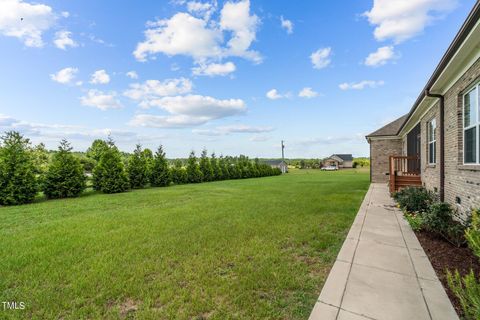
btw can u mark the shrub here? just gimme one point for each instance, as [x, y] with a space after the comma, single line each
[223, 173]
[64, 177]
[439, 219]
[414, 199]
[467, 288]
[194, 175]
[147, 154]
[178, 173]
[109, 174]
[96, 150]
[18, 183]
[41, 159]
[473, 233]
[87, 163]
[137, 169]
[215, 168]
[160, 174]
[415, 220]
[206, 167]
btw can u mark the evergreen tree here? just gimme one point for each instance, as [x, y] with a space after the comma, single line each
[178, 173]
[222, 169]
[206, 167]
[148, 156]
[137, 168]
[109, 174]
[18, 183]
[64, 177]
[194, 175]
[160, 174]
[217, 175]
[97, 148]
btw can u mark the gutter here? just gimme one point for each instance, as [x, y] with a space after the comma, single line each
[427, 93]
[467, 26]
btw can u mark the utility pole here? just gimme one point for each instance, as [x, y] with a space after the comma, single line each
[283, 157]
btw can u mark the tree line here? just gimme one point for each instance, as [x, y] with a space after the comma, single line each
[25, 170]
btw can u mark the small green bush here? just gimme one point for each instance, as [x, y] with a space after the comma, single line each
[414, 199]
[439, 219]
[64, 177]
[467, 288]
[415, 220]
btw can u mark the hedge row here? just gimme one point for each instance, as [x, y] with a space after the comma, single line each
[24, 171]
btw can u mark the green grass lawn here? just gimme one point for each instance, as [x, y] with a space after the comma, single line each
[239, 249]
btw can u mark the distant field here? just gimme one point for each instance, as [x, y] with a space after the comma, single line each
[239, 249]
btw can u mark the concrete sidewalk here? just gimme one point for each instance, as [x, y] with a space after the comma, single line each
[382, 271]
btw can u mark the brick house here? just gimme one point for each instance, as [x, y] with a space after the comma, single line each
[339, 161]
[437, 144]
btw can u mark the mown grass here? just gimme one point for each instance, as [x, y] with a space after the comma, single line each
[240, 249]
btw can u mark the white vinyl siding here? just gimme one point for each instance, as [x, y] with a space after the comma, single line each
[432, 141]
[471, 126]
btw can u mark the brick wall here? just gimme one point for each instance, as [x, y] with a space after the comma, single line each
[460, 181]
[430, 172]
[380, 150]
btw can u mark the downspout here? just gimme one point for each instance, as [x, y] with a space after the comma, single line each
[442, 140]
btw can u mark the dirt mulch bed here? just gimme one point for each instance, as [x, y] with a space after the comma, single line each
[443, 255]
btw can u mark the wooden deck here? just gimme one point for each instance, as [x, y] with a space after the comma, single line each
[404, 172]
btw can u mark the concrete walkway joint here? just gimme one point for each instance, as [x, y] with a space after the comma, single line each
[382, 271]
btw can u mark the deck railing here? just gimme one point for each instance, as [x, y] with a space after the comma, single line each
[404, 171]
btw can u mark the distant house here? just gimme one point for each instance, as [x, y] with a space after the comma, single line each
[282, 165]
[339, 161]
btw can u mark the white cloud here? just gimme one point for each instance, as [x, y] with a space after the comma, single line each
[236, 128]
[235, 17]
[184, 34]
[203, 9]
[63, 40]
[100, 77]
[214, 69]
[101, 100]
[401, 20]
[202, 106]
[274, 95]
[287, 25]
[154, 89]
[380, 57]
[321, 58]
[132, 74]
[65, 14]
[189, 110]
[259, 138]
[361, 85]
[307, 92]
[51, 134]
[65, 75]
[176, 121]
[25, 21]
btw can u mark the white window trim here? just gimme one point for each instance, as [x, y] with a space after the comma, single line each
[434, 141]
[476, 124]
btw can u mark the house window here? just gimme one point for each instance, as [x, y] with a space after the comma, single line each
[471, 126]
[432, 141]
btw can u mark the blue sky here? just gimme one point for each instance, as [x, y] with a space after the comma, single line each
[235, 77]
